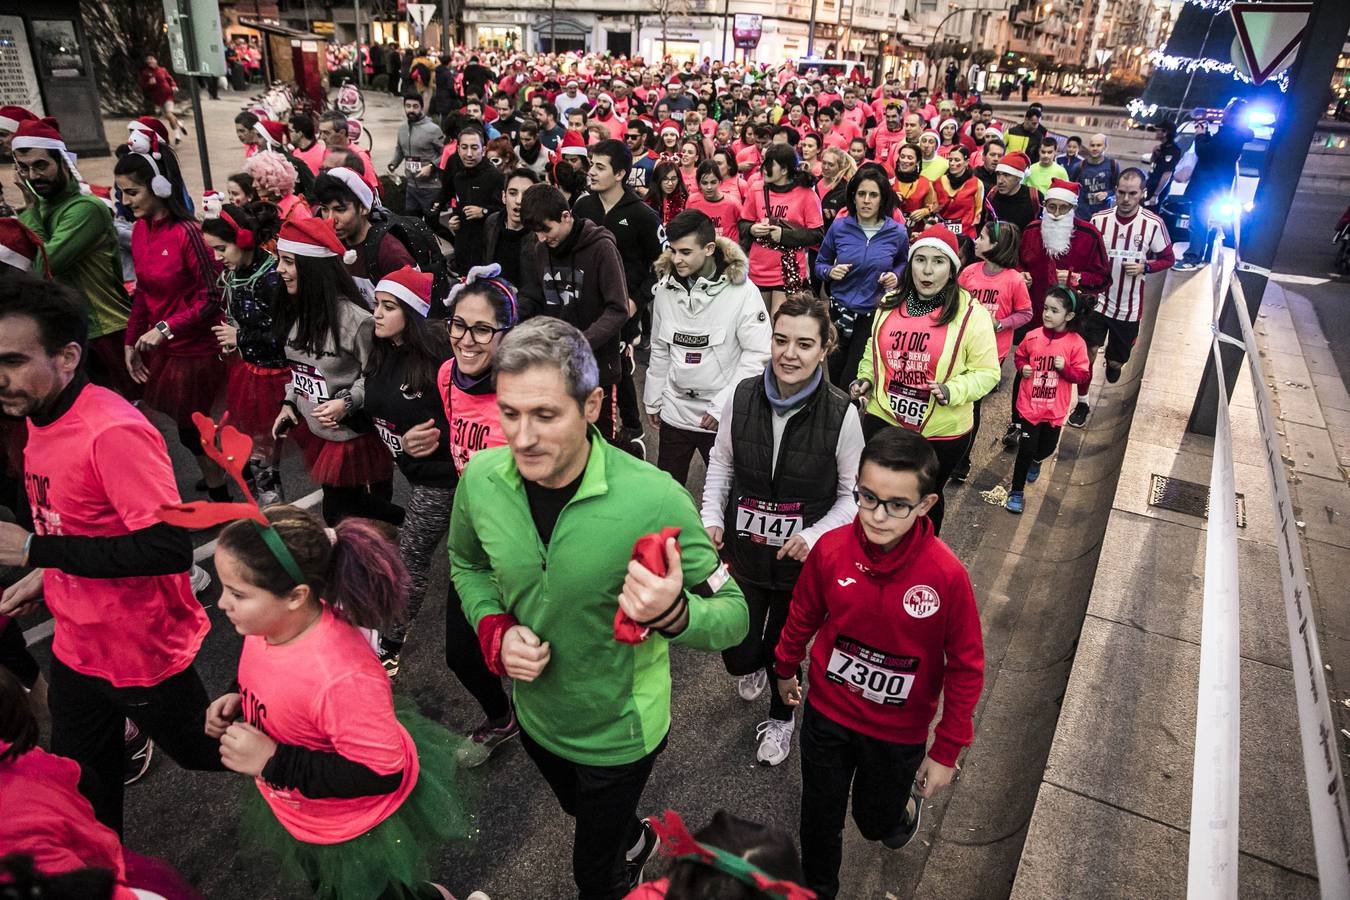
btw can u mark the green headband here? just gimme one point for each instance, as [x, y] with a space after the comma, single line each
[279, 550]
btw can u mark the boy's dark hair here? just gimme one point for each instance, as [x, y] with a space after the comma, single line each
[1077, 139]
[529, 175]
[1049, 142]
[707, 167]
[1133, 172]
[617, 152]
[903, 451]
[995, 140]
[330, 188]
[1007, 241]
[56, 309]
[549, 109]
[336, 119]
[792, 136]
[691, 221]
[541, 204]
[303, 123]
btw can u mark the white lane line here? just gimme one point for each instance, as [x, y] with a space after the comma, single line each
[1298, 279]
[43, 630]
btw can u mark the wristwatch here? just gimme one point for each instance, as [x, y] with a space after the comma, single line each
[163, 328]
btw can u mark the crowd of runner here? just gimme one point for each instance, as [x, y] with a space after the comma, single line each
[820, 283]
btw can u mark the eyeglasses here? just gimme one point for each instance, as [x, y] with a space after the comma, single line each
[895, 509]
[481, 333]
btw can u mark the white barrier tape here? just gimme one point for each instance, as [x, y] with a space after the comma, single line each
[1212, 867]
[1317, 733]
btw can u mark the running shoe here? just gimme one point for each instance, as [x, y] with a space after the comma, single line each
[269, 486]
[775, 741]
[749, 687]
[137, 751]
[1113, 373]
[636, 863]
[1033, 472]
[484, 740]
[1187, 266]
[1015, 502]
[201, 579]
[1078, 418]
[631, 440]
[911, 826]
[389, 658]
[961, 472]
[1011, 437]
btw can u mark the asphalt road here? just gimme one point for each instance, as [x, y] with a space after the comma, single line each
[1306, 251]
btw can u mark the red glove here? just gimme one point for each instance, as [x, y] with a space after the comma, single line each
[491, 630]
[650, 550]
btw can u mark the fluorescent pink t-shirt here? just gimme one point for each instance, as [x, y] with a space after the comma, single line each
[475, 422]
[904, 362]
[44, 815]
[1002, 294]
[800, 207]
[725, 213]
[327, 691]
[101, 470]
[1045, 396]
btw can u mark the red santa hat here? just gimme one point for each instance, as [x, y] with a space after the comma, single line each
[928, 132]
[571, 82]
[573, 150]
[1060, 189]
[938, 237]
[364, 195]
[608, 98]
[315, 238]
[674, 82]
[410, 286]
[1015, 163]
[11, 117]
[19, 247]
[149, 124]
[992, 133]
[42, 134]
[670, 125]
[271, 132]
[945, 123]
[145, 138]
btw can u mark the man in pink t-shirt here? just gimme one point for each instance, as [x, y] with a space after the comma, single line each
[112, 574]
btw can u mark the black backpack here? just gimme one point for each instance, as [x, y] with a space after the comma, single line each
[421, 243]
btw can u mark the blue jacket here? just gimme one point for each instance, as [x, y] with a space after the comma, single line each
[845, 242]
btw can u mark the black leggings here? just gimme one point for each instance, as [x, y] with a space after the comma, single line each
[768, 615]
[1038, 443]
[373, 501]
[464, 656]
[950, 451]
[844, 361]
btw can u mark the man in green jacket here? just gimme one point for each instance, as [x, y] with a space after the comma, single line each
[540, 545]
[77, 230]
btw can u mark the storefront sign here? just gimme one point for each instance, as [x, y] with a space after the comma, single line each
[747, 30]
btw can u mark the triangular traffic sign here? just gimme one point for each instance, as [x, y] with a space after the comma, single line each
[1269, 34]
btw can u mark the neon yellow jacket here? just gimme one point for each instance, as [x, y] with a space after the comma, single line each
[968, 367]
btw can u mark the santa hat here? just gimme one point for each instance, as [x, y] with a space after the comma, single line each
[938, 237]
[212, 202]
[928, 132]
[271, 132]
[146, 138]
[670, 125]
[19, 246]
[1015, 163]
[410, 286]
[13, 116]
[364, 195]
[315, 238]
[946, 122]
[571, 82]
[574, 150]
[605, 97]
[42, 134]
[993, 133]
[1062, 190]
[674, 82]
[149, 124]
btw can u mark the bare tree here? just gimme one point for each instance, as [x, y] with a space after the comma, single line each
[120, 34]
[665, 9]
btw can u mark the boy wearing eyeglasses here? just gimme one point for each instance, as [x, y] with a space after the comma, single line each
[896, 628]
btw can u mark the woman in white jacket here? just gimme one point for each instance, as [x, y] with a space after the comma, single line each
[709, 332]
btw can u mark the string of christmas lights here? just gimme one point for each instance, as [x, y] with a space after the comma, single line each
[1208, 64]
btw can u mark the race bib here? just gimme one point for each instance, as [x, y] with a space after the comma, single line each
[878, 676]
[309, 383]
[367, 289]
[908, 403]
[411, 166]
[388, 434]
[955, 225]
[1128, 256]
[769, 523]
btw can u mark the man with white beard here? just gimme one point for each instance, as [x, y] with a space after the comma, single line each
[1061, 249]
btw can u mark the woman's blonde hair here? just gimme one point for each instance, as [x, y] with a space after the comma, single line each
[847, 167]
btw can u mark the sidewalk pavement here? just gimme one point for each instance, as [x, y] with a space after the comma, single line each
[1112, 814]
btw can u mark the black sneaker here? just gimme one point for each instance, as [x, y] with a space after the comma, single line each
[961, 472]
[389, 658]
[1078, 418]
[1113, 374]
[635, 865]
[631, 441]
[1011, 437]
[910, 828]
[137, 750]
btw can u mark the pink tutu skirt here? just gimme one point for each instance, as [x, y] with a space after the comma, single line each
[253, 398]
[362, 460]
[181, 385]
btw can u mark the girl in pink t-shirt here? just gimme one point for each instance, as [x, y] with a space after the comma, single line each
[1051, 359]
[783, 217]
[725, 211]
[355, 796]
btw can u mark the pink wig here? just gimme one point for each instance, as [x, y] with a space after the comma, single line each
[272, 173]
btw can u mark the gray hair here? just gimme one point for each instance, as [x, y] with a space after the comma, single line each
[546, 341]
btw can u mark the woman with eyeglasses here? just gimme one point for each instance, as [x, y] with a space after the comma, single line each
[500, 155]
[781, 474]
[482, 309]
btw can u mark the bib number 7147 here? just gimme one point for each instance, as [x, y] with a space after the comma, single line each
[769, 523]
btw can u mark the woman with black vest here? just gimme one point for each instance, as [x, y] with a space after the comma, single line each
[781, 474]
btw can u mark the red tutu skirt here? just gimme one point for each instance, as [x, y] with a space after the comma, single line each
[178, 386]
[253, 398]
[13, 438]
[106, 363]
[362, 460]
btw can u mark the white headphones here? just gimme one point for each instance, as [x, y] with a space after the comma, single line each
[159, 185]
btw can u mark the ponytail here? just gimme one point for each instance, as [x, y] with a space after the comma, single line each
[356, 569]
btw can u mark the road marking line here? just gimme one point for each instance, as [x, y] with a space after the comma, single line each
[43, 630]
[1298, 279]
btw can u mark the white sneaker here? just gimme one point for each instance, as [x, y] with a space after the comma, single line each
[201, 579]
[752, 685]
[775, 741]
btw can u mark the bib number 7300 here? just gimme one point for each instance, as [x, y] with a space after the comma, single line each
[873, 674]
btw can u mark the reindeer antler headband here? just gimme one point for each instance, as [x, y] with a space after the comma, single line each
[677, 842]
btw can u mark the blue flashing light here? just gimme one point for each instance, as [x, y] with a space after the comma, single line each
[1225, 209]
[1260, 117]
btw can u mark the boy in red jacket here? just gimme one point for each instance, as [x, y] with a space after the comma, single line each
[896, 628]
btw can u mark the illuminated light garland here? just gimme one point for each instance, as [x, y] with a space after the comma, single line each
[1207, 64]
[1215, 5]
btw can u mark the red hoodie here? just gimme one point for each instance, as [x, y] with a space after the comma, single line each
[1045, 396]
[894, 633]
